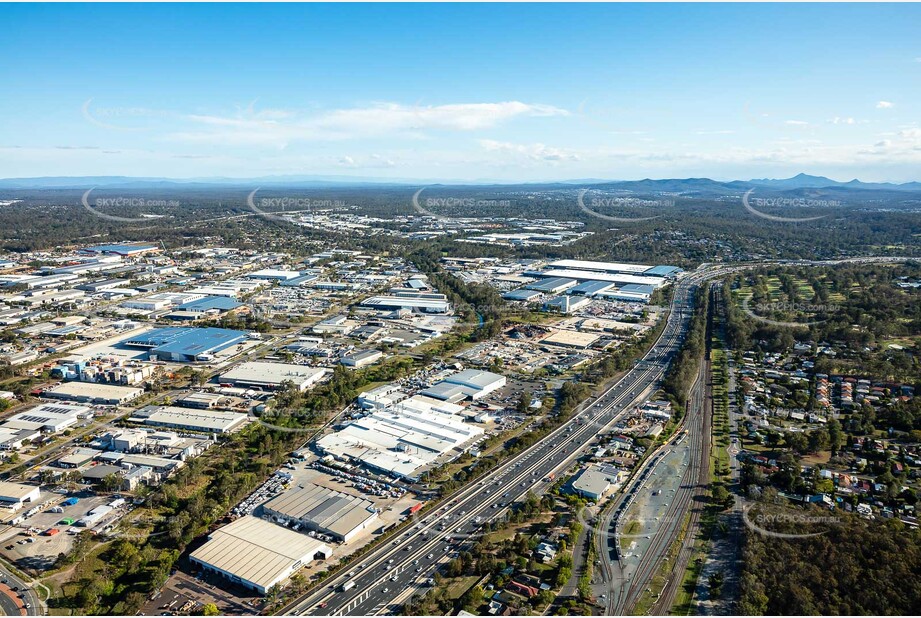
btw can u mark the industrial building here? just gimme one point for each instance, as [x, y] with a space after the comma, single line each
[14, 495]
[186, 344]
[470, 383]
[398, 440]
[187, 419]
[259, 374]
[95, 393]
[597, 481]
[122, 249]
[258, 554]
[323, 510]
[421, 303]
[361, 358]
[552, 285]
[51, 417]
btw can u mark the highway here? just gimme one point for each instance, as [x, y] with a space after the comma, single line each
[390, 573]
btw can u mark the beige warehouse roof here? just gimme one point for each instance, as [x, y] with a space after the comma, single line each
[16, 491]
[258, 551]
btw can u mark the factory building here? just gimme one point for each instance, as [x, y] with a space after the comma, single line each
[322, 510]
[468, 384]
[258, 554]
[94, 393]
[401, 303]
[51, 417]
[399, 440]
[183, 344]
[597, 481]
[258, 374]
[13, 496]
[187, 419]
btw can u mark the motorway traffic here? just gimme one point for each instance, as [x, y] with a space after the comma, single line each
[392, 572]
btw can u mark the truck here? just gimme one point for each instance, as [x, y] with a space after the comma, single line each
[70, 501]
[346, 586]
[550, 477]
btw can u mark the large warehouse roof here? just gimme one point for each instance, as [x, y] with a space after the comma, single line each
[595, 275]
[273, 374]
[323, 509]
[216, 421]
[186, 342]
[257, 551]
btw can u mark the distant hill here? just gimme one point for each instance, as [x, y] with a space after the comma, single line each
[689, 187]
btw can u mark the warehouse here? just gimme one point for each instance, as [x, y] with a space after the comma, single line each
[14, 495]
[122, 249]
[259, 374]
[273, 274]
[186, 419]
[91, 392]
[51, 417]
[258, 554]
[399, 440]
[597, 481]
[361, 358]
[418, 304]
[470, 383]
[323, 510]
[522, 295]
[608, 267]
[590, 275]
[566, 304]
[591, 288]
[571, 339]
[553, 285]
[186, 344]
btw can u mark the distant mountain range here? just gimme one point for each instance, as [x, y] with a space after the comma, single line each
[702, 187]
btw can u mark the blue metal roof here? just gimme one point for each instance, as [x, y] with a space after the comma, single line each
[636, 288]
[188, 341]
[121, 248]
[590, 287]
[520, 294]
[662, 271]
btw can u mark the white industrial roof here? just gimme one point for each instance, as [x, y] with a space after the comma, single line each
[613, 267]
[16, 491]
[258, 372]
[594, 275]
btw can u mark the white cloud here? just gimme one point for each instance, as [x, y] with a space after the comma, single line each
[797, 123]
[275, 127]
[534, 152]
[838, 120]
[885, 105]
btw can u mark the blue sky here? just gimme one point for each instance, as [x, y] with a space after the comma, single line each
[469, 92]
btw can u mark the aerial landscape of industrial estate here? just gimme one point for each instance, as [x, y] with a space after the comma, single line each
[235, 381]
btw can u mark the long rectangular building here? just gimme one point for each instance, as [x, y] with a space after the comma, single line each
[187, 419]
[258, 554]
[323, 510]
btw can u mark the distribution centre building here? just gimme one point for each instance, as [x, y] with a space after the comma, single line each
[323, 510]
[258, 554]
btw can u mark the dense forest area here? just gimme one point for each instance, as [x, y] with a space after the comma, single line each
[854, 567]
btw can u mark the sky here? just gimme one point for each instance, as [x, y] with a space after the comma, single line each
[439, 92]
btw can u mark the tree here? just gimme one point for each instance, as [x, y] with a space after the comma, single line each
[210, 609]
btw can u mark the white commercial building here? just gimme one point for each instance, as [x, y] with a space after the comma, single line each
[90, 392]
[14, 495]
[470, 383]
[399, 440]
[259, 374]
[51, 417]
[258, 554]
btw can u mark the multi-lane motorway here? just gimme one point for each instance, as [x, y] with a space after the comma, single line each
[390, 573]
